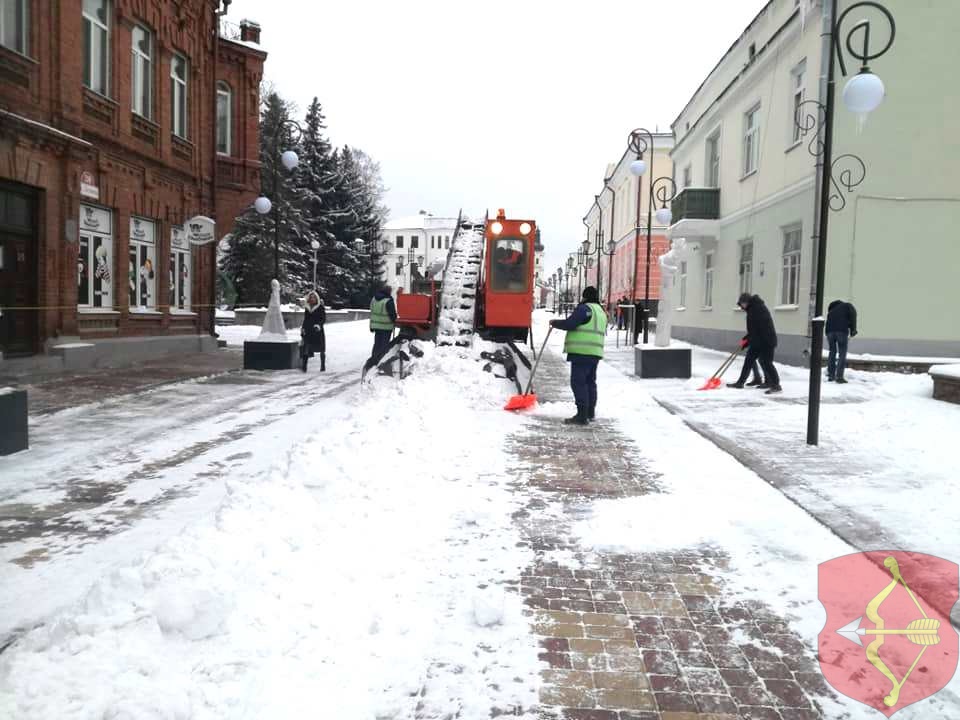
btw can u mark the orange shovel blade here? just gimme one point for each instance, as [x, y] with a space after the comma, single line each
[711, 384]
[521, 402]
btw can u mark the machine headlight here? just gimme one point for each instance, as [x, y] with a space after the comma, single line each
[497, 228]
[525, 228]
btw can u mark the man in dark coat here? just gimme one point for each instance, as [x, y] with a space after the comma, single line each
[841, 326]
[760, 341]
[311, 330]
[585, 328]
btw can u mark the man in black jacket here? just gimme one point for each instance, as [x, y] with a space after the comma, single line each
[760, 341]
[841, 326]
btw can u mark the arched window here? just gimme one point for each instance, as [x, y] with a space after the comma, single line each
[224, 118]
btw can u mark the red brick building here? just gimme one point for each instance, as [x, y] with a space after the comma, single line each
[119, 120]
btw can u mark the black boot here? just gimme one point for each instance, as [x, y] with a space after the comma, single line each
[592, 413]
[756, 382]
[323, 361]
[738, 385]
[579, 419]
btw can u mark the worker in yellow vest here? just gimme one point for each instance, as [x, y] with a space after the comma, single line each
[586, 328]
[383, 319]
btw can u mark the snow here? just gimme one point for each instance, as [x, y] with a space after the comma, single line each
[7, 390]
[946, 371]
[919, 359]
[71, 346]
[225, 313]
[47, 128]
[322, 573]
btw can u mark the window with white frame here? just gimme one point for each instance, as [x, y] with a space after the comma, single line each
[178, 94]
[790, 267]
[224, 119]
[399, 242]
[797, 95]
[745, 266]
[683, 283]
[95, 259]
[14, 24]
[712, 176]
[446, 242]
[751, 141]
[141, 75]
[180, 270]
[414, 241]
[708, 280]
[96, 45]
[143, 264]
[688, 176]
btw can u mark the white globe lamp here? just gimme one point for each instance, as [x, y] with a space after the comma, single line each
[863, 93]
[638, 167]
[664, 216]
[315, 245]
[289, 159]
[262, 205]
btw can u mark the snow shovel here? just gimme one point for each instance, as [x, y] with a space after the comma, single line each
[714, 381]
[528, 399]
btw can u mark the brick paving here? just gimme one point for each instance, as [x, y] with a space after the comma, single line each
[639, 636]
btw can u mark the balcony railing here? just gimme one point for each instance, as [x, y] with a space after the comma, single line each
[696, 204]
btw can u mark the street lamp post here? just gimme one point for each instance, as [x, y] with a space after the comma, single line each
[315, 246]
[262, 204]
[609, 253]
[662, 190]
[862, 94]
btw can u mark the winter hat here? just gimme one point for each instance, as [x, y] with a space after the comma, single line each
[744, 299]
[590, 294]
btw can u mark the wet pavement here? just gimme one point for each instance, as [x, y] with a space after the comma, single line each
[646, 635]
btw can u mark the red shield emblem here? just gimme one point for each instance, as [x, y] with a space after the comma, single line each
[888, 641]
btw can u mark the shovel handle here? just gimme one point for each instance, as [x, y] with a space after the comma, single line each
[536, 362]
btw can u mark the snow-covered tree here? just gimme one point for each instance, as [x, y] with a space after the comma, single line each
[277, 243]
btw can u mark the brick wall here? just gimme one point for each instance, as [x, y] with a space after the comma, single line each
[138, 165]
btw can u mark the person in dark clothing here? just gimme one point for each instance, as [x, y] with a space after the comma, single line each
[585, 327]
[311, 330]
[622, 313]
[841, 326]
[760, 341]
[383, 320]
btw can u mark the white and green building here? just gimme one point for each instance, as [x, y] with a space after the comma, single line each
[746, 206]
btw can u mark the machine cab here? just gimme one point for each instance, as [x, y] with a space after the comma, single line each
[508, 275]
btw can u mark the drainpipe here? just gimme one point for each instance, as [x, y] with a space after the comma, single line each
[217, 14]
[613, 215]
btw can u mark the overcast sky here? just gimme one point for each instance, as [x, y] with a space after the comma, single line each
[517, 104]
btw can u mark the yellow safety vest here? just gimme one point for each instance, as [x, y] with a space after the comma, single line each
[587, 339]
[379, 317]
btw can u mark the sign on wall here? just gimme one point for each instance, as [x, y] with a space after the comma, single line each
[200, 230]
[88, 186]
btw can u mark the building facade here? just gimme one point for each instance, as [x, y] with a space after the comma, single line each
[119, 121]
[613, 214]
[747, 210]
[418, 248]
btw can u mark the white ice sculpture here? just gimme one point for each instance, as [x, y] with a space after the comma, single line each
[273, 328]
[669, 264]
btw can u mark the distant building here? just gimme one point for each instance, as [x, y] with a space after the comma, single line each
[118, 122]
[614, 215]
[419, 245]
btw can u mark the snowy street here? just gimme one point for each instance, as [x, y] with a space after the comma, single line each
[267, 545]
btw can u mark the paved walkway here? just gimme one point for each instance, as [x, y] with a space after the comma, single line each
[50, 392]
[639, 636]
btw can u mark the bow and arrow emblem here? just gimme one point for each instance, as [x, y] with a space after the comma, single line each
[924, 632]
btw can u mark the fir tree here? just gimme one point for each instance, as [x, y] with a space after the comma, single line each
[277, 244]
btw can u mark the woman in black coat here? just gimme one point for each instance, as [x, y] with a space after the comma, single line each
[314, 339]
[760, 342]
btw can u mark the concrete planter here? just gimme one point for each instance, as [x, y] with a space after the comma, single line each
[13, 421]
[656, 362]
[946, 383]
[267, 355]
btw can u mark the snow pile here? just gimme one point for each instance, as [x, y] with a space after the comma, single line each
[460, 282]
[363, 574]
